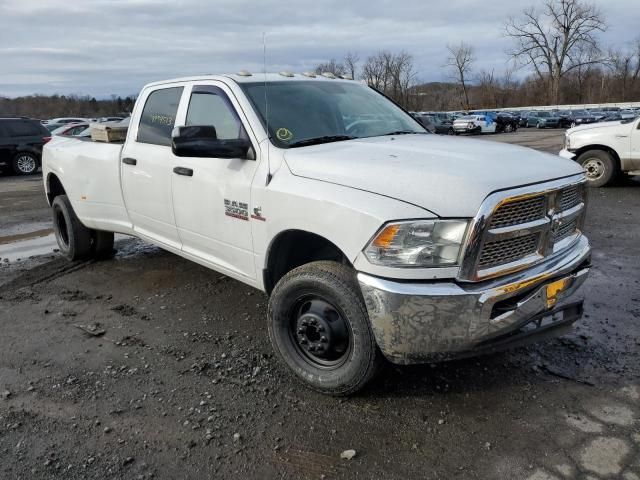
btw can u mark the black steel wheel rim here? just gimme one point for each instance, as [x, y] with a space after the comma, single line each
[319, 332]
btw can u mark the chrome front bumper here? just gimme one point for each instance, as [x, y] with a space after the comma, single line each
[419, 322]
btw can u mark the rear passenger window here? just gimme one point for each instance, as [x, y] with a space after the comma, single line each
[22, 128]
[159, 116]
[210, 106]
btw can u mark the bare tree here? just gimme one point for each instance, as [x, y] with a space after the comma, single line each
[51, 106]
[332, 66]
[625, 66]
[350, 63]
[583, 62]
[550, 39]
[391, 73]
[488, 88]
[460, 62]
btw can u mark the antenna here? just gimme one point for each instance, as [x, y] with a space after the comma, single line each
[266, 106]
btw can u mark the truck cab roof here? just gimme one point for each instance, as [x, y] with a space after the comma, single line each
[247, 77]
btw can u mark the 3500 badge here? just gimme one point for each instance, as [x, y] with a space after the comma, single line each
[239, 210]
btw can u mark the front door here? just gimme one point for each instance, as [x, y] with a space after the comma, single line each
[212, 202]
[147, 163]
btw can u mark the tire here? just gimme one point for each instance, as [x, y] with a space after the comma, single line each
[25, 163]
[102, 244]
[451, 132]
[538, 125]
[317, 299]
[599, 166]
[74, 239]
[508, 128]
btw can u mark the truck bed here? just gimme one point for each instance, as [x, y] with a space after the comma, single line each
[92, 177]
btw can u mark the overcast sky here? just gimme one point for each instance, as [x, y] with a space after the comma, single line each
[103, 47]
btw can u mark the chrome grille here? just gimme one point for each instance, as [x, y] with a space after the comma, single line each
[514, 230]
[570, 197]
[505, 251]
[564, 231]
[519, 211]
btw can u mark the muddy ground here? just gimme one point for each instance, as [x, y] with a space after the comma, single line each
[149, 366]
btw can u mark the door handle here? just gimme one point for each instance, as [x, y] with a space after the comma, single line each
[187, 172]
[130, 161]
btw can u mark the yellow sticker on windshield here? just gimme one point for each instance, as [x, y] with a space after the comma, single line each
[284, 134]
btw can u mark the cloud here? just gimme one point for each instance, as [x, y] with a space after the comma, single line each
[100, 47]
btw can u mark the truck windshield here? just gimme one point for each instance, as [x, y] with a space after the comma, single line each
[309, 112]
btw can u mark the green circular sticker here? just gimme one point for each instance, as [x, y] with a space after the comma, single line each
[284, 134]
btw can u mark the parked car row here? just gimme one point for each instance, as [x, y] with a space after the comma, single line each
[476, 122]
[22, 139]
[435, 124]
[56, 123]
[511, 120]
[21, 142]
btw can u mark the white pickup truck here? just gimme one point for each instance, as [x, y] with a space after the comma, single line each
[373, 238]
[605, 150]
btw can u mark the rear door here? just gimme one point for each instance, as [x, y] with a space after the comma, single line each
[147, 162]
[26, 135]
[212, 205]
[635, 145]
[6, 144]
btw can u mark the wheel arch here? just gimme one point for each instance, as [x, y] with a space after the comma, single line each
[294, 247]
[54, 187]
[605, 148]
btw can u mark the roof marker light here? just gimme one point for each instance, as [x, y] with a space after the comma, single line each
[286, 74]
[244, 73]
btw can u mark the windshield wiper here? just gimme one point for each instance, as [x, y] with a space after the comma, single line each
[319, 140]
[404, 132]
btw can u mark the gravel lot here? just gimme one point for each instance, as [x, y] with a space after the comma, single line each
[149, 366]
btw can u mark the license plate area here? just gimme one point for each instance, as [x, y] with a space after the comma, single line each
[554, 290]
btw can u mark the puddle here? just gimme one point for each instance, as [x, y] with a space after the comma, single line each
[22, 249]
[42, 242]
[25, 236]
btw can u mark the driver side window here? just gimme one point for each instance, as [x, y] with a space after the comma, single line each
[210, 106]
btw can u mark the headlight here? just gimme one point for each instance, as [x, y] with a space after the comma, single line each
[567, 141]
[423, 243]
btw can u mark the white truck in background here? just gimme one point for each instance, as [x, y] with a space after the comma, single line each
[373, 238]
[605, 150]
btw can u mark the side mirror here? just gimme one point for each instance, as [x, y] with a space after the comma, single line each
[202, 141]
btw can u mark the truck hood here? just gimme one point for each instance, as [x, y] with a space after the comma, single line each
[594, 126]
[447, 176]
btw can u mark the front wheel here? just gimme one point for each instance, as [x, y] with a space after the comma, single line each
[319, 327]
[599, 166]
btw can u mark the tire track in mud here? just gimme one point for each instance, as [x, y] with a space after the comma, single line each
[47, 272]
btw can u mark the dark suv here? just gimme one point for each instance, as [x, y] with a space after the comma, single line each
[21, 141]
